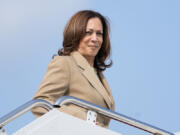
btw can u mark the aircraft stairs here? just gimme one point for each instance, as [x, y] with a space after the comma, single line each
[58, 123]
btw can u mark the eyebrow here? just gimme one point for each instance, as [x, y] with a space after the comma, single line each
[93, 29]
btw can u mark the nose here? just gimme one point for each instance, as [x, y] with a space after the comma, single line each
[94, 37]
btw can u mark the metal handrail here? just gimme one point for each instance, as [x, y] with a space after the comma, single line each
[111, 114]
[24, 108]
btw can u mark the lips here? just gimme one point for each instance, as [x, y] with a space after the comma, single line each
[93, 46]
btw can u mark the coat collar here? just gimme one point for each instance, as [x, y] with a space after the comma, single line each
[91, 76]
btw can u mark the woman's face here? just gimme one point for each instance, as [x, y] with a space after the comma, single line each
[92, 41]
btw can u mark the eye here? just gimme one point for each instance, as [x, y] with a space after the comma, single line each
[88, 32]
[99, 33]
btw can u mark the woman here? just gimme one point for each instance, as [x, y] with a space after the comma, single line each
[77, 71]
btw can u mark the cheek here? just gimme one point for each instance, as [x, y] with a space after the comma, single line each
[101, 41]
[83, 44]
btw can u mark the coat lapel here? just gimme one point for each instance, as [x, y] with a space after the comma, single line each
[93, 79]
[103, 79]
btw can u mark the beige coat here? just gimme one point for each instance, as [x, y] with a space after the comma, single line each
[73, 76]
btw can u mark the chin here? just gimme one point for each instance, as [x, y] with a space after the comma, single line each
[92, 54]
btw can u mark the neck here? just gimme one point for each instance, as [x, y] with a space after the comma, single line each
[90, 60]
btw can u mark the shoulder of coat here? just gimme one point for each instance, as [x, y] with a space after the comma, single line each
[60, 60]
[60, 57]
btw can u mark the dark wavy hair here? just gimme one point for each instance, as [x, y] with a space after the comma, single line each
[75, 30]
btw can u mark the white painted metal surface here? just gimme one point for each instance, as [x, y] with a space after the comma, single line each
[59, 123]
[2, 132]
[177, 133]
[91, 117]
